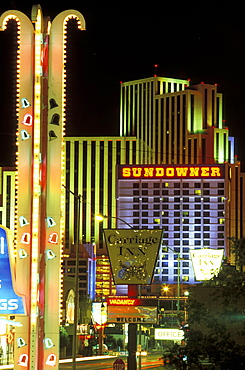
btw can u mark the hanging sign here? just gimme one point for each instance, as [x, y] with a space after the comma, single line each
[133, 254]
[10, 302]
[206, 262]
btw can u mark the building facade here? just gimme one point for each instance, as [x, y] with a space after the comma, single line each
[91, 172]
[193, 204]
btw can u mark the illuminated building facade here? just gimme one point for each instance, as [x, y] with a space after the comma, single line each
[179, 122]
[91, 171]
[183, 125]
[87, 269]
[193, 204]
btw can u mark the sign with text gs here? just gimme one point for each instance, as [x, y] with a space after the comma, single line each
[10, 302]
[133, 254]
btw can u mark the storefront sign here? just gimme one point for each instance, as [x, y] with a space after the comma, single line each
[167, 171]
[206, 262]
[169, 334]
[133, 254]
[10, 302]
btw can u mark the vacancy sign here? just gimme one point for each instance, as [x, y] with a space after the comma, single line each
[206, 262]
[133, 254]
[132, 310]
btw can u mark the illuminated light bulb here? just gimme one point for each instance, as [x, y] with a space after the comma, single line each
[27, 120]
[25, 239]
[48, 343]
[23, 221]
[53, 238]
[21, 342]
[25, 103]
[22, 253]
[24, 135]
[50, 254]
[50, 222]
[23, 360]
[51, 360]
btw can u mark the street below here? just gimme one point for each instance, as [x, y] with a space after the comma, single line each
[150, 361]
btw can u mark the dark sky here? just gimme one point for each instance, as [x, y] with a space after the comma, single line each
[197, 40]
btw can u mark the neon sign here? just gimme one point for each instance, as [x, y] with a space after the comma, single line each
[170, 171]
[10, 302]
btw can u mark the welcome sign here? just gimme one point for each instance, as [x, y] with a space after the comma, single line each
[10, 302]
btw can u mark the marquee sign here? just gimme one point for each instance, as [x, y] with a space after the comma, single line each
[131, 310]
[170, 171]
[133, 254]
[206, 262]
[10, 302]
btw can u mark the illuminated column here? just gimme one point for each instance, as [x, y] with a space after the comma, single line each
[40, 174]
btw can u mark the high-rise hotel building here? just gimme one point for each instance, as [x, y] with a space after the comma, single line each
[164, 122]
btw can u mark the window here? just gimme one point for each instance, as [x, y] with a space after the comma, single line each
[136, 200]
[144, 192]
[136, 214]
[197, 214]
[176, 192]
[144, 200]
[165, 185]
[144, 185]
[164, 192]
[197, 228]
[176, 185]
[145, 221]
[197, 242]
[136, 192]
[156, 185]
[197, 192]
[185, 185]
[206, 185]
[136, 185]
[197, 235]
[220, 184]
[135, 221]
[185, 192]
[144, 214]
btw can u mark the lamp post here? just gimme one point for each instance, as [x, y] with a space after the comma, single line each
[133, 293]
[78, 198]
[178, 277]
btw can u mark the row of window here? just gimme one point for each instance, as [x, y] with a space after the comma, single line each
[177, 185]
[176, 199]
[178, 192]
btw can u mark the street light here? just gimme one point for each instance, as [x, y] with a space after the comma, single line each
[101, 217]
[178, 279]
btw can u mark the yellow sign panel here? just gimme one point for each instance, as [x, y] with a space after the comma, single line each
[206, 262]
[133, 254]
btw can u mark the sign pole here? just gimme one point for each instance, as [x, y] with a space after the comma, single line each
[132, 333]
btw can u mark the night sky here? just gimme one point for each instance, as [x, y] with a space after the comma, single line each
[123, 42]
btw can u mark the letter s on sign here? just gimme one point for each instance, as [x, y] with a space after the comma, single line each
[13, 304]
[126, 172]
